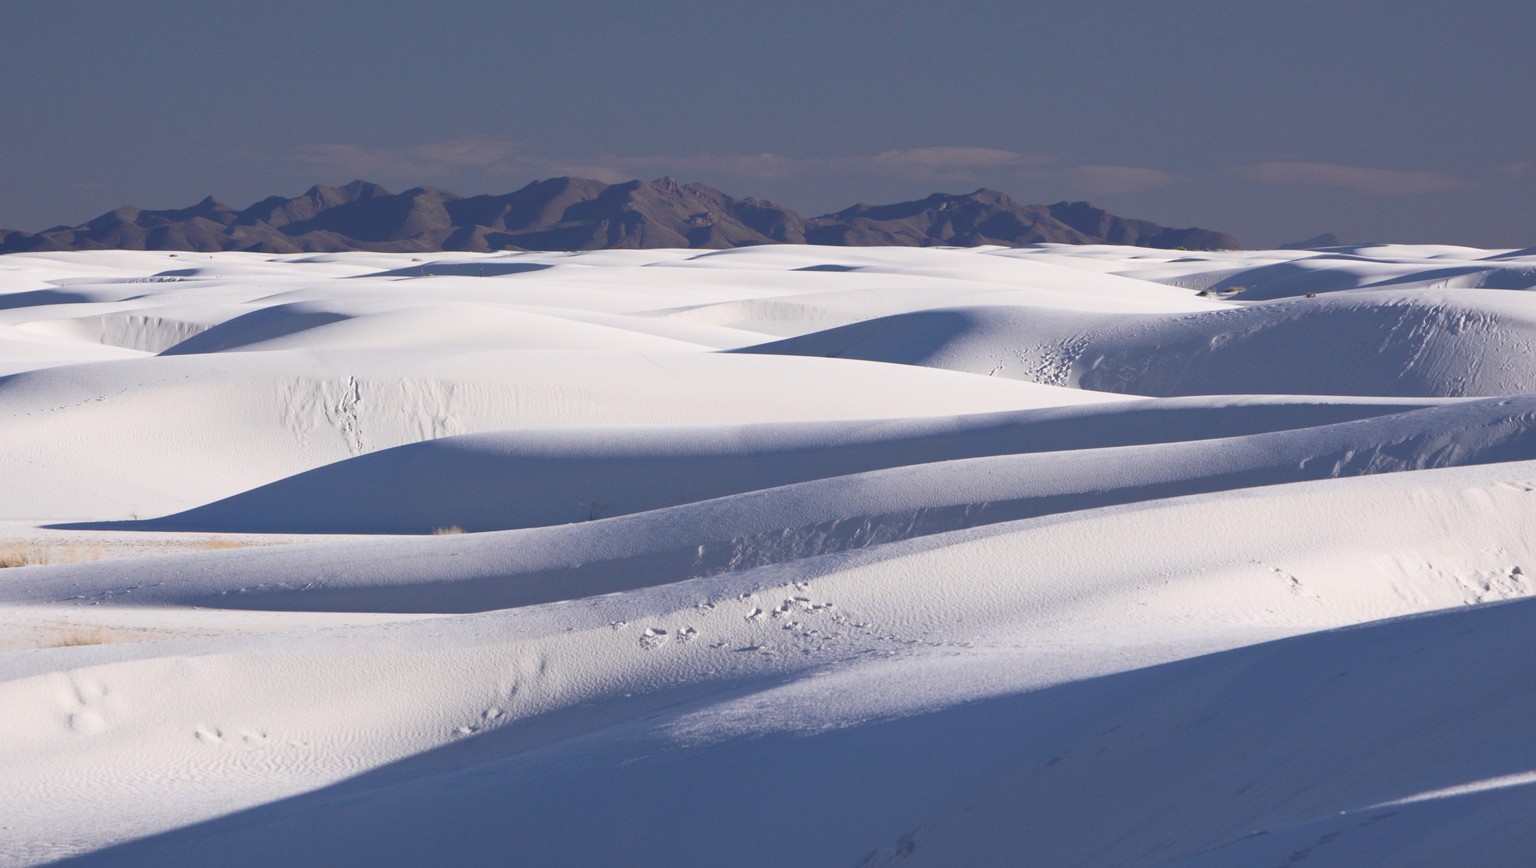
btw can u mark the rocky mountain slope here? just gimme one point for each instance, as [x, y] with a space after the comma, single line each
[583, 214]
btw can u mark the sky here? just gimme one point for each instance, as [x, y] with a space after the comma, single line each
[1405, 121]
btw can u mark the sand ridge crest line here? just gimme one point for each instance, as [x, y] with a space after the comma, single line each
[821, 591]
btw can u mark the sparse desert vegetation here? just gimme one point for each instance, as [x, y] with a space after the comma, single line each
[23, 553]
[71, 635]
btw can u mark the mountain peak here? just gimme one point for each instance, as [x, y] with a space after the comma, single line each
[988, 195]
[571, 213]
[363, 190]
[1091, 220]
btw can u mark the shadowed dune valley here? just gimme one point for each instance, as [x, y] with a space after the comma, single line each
[775, 555]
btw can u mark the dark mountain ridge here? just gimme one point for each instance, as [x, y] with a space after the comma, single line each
[583, 214]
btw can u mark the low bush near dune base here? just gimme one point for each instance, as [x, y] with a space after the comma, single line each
[219, 543]
[26, 554]
[22, 554]
[72, 636]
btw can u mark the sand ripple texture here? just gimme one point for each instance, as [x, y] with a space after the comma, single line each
[770, 556]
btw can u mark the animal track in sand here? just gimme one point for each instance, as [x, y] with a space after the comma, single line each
[1504, 585]
[248, 739]
[1296, 586]
[83, 712]
[87, 722]
[487, 719]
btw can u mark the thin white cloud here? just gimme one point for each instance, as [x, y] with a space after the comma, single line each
[597, 170]
[435, 159]
[1359, 179]
[763, 166]
[1117, 180]
[946, 163]
[473, 153]
[1522, 169]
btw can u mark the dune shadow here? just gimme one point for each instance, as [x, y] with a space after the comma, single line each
[268, 323]
[41, 298]
[460, 269]
[1225, 747]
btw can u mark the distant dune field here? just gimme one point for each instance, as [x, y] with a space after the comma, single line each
[768, 556]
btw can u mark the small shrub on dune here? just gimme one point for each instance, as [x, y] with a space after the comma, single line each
[447, 531]
[219, 543]
[73, 635]
[25, 554]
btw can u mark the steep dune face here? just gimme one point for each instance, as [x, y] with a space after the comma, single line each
[993, 468]
[1263, 275]
[770, 556]
[168, 432]
[830, 653]
[1426, 343]
[1400, 343]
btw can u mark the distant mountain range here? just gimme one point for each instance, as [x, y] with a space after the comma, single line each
[583, 214]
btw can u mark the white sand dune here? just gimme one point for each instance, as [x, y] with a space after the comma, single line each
[1266, 275]
[520, 479]
[719, 664]
[153, 435]
[398, 328]
[1057, 774]
[929, 582]
[767, 525]
[1402, 343]
[401, 324]
[24, 350]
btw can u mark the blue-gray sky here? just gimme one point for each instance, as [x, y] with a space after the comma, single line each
[1392, 120]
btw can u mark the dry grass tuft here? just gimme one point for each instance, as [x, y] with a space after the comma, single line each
[22, 554]
[26, 554]
[75, 553]
[447, 531]
[219, 543]
[72, 635]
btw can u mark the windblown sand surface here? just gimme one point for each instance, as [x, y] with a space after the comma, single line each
[769, 556]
